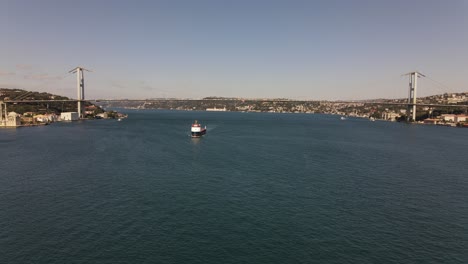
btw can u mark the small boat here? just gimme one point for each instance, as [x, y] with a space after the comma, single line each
[196, 130]
[343, 118]
[120, 119]
[372, 119]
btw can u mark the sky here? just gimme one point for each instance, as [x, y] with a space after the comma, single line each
[307, 50]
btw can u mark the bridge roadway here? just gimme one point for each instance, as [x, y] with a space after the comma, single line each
[404, 104]
[40, 101]
[333, 102]
[154, 100]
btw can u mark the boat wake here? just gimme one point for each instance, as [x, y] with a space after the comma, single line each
[211, 128]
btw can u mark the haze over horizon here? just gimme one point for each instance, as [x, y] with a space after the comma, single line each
[317, 50]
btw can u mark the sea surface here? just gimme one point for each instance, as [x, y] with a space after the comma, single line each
[258, 188]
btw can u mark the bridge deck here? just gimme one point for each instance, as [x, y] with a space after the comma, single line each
[138, 100]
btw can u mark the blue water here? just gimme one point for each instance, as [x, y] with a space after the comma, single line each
[258, 188]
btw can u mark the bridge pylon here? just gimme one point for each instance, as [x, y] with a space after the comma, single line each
[3, 113]
[413, 81]
[80, 88]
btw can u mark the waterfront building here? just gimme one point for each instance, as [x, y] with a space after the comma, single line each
[46, 118]
[390, 116]
[432, 121]
[216, 109]
[460, 118]
[12, 120]
[69, 116]
[448, 117]
[102, 115]
[27, 119]
[40, 118]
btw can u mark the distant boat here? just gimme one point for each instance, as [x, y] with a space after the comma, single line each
[372, 119]
[120, 119]
[196, 130]
[343, 118]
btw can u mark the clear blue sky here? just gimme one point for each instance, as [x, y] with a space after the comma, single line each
[192, 49]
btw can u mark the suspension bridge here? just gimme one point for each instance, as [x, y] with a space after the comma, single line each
[411, 103]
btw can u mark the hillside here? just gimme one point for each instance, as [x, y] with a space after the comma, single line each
[7, 94]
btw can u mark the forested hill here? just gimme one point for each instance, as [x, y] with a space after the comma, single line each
[19, 95]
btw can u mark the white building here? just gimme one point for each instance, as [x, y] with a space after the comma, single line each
[45, 118]
[390, 116]
[461, 118]
[102, 115]
[216, 109]
[448, 118]
[12, 120]
[69, 116]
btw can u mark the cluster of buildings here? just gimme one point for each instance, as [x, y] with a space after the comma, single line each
[448, 119]
[13, 119]
[447, 98]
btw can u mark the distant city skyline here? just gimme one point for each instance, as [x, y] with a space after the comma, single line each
[317, 50]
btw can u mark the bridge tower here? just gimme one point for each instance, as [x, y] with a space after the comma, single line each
[3, 113]
[80, 88]
[413, 81]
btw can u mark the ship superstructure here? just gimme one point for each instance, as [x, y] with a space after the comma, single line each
[197, 130]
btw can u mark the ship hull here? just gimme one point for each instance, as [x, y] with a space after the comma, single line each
[198, 134]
